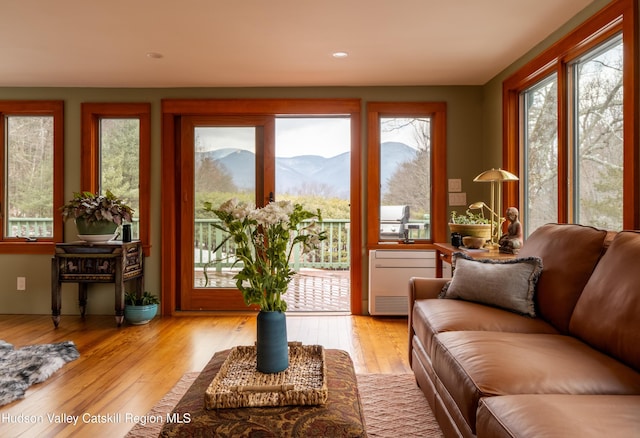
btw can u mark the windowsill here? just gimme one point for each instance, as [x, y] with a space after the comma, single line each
[22, 247]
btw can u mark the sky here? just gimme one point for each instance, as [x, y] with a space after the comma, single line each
[295, 136]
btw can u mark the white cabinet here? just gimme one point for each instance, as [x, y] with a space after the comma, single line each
[389, 274]
[447, 272]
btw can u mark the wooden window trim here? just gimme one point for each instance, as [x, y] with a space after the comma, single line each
[618, 16]
[53, 108]
[89, 154]
[438, 112]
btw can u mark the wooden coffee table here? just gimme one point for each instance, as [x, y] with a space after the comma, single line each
[340, 416]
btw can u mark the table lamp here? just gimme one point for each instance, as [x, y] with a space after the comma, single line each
[496, 177]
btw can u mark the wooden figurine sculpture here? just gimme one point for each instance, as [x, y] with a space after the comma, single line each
[512, 241]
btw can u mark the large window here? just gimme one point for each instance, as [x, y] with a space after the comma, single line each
[571, 126]
[31, 168]
[597, 134]
[540, 152]
[115, 157]
[406, 172]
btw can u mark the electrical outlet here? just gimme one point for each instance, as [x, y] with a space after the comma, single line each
[22, 283]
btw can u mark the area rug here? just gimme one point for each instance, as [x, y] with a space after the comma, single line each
[393, 406]
[21, 368]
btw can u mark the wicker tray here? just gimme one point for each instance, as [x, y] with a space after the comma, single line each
[238, 383]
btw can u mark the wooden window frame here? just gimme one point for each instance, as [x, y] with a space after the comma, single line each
[92, 113]
[620, 16]
[437, 111]
[54, 108]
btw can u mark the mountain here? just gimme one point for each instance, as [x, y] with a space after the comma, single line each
[392, 154]
[308, 173]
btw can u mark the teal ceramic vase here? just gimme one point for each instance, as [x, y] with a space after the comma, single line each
[272, 348]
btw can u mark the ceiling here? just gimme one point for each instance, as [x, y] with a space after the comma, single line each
[228, 43]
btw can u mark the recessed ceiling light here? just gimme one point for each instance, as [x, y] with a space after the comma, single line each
[154, 55]
[340, 54]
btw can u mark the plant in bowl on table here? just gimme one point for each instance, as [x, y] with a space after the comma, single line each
[97, 217]
[264, 240]
[474, 228]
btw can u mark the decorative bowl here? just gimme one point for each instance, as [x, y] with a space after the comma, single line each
[473, 242]
[97, 238]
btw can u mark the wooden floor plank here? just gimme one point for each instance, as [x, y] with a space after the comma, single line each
[127, 370]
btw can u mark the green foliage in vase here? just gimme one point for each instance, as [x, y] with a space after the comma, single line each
[131, 299]
[264, 239]
[468, 219]
[93, 207]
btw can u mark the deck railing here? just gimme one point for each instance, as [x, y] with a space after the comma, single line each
[30, 227]
[43, 227]
[333, 252]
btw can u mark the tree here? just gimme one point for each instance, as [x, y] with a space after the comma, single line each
[410, 183]
[120, 159]
[211, 176]
[597, 149]
[30, 166]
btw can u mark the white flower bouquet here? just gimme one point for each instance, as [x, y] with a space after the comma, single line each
[264, 239]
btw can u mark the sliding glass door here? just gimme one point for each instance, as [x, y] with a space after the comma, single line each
[258, 159]
[220, 158]
[312, 167]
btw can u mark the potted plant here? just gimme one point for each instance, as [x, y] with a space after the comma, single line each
[470, 224]
[96, 216]
[264, 239]
[140, 310]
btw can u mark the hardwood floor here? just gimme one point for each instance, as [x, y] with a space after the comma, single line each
[127, 370]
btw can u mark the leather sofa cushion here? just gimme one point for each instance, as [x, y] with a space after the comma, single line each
[431, 317]
[585, 416]
[607, 315]
[569, 255]
[472, 365]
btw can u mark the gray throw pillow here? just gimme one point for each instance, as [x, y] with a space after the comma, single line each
[509, 284]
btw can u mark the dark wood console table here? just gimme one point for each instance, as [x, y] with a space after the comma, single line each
[84, 263]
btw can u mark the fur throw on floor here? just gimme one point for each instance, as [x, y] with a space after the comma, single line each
[21, 368]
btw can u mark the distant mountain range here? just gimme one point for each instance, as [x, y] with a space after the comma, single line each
[307, 173]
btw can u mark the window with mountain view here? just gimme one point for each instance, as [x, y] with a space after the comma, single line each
[405, 177]
[311, 163]
[224, 168]
[406, 172]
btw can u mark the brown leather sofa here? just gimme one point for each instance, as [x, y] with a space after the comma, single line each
[572, 370]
